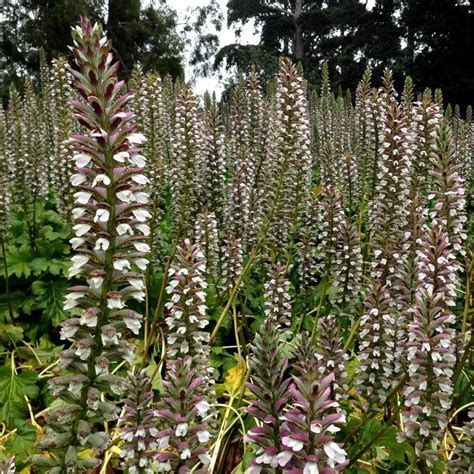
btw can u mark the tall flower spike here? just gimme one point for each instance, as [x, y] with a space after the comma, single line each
[269, 384]
[277, 296]
[431, 343]
[313, 418]
[293, 165]
[4, 181]
[186, 177]
[110, 255]
[376, 351]
[184, 440]
[207, 238]
[138, 426]
[448, 192]
[348, 267]
[213, 171]
[153, 125]
[330, 221]
[187, 309]
[331, 356]
[232, 262]
[387, 213]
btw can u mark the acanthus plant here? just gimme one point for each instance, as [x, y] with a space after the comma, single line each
[110, 255]
[313, 418]
[269, 384]
[431, 343]
[188, 386]
[138, 429]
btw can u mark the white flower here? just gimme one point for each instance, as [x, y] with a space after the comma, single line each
[120, 157]
[185, 453]
[115, 303]
[126, 196]
[136, 138]
[292, 443]
[284, 457]
[132, 324]
[181, 429]
[141, 247]
[311, 468]
[121, 264]
[203, 436]
[136, 283]
[78, 261]
[144, 229]
[76, 242]
[202, 407]
[334, 453]
[101, 244]
[82, 160]
[204, 458]
[141, 215]
[71, 299]
[101, 215]
[101, 178]
[140, 179]
[123, 229]
[138, 160]
[77, 179]
[78, 212]
[141, 263]
[81, 229]
[82, 197]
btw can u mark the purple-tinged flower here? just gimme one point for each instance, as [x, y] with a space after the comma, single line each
[138, 429]
[313, 418]
[331, 355]
[187, 311]
[232, 261]
[269, 384]
[185, 435]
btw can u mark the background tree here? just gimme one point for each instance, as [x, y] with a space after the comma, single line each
[145, 34]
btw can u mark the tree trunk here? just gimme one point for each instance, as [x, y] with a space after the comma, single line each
[298, 45]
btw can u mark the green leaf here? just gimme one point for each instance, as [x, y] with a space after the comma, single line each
[39, 265]
[22, 443]
[50, 297]
[18, 261]
[13, 388]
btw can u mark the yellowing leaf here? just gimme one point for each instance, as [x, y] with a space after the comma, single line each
[234, 378]
[26, 470]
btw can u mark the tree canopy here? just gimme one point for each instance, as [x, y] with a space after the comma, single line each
[145, 34]
[431, 41]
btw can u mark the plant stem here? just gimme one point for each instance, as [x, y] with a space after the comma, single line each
[159, 304]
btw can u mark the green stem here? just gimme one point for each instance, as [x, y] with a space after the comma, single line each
[159, 304]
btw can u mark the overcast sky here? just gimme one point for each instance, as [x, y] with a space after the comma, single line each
[226, 36]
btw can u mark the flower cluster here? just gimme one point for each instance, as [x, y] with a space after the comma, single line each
[138, 425]
[431, 345]
[110, 254]
[270, 385]
[312, 420]
[277, 296]
[188, 385]
[207, 239]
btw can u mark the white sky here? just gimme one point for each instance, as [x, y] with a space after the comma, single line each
[226, 36]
